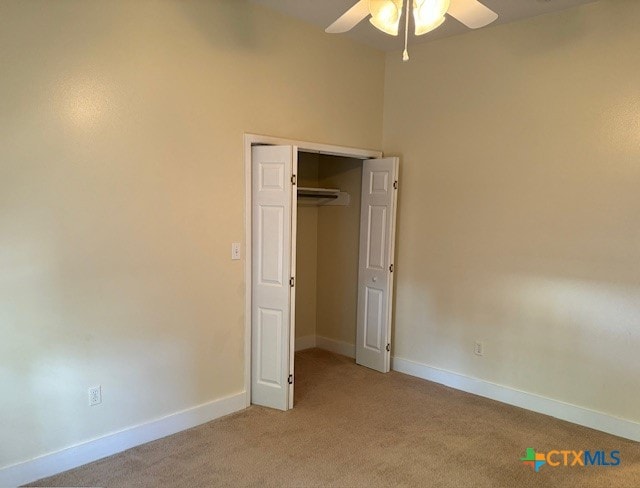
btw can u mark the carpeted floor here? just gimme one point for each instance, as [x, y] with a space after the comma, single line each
[355, 427]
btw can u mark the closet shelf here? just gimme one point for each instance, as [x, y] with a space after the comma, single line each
[322, 196]
[305, 192]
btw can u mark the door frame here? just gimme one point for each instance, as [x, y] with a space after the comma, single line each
[304, 146]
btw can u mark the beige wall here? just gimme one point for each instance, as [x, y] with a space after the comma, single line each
[122, 186]
[307, 250]
[338, 251]
[519, 212]
[122, 189]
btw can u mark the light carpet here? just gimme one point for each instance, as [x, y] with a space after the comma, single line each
[354, 427]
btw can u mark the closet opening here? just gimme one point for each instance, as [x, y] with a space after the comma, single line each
[327, 252]
[320, 240]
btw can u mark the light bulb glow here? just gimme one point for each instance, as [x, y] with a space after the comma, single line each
[429, 14]
[385, 15]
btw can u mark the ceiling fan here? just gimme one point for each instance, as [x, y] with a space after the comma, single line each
[427, 15]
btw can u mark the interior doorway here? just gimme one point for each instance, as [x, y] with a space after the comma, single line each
[356, 273]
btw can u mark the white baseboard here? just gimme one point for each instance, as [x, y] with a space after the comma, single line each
[339, 347]
[86, 452]
[305, 342]
[530, 401]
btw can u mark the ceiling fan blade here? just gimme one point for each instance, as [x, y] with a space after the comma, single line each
[350, 18]
[471, 13]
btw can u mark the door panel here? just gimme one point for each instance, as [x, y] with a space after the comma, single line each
[270, 241]
[269, 338]
[375, 275]
[271, 323]
[376, 237]
[373, 318]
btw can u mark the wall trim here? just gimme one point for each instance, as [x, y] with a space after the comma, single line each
[339, 347]
[89, 451]
[305, 342]
[331, 345]
[530, 401]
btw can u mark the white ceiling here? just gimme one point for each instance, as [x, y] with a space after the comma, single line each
[323, 12]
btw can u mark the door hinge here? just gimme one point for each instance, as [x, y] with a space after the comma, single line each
[391, 268]
[388, 347]
[293, 179]
[290, 379]
[292, 282]
[395, 185]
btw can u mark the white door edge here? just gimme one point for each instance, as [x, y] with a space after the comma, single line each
[294, 245]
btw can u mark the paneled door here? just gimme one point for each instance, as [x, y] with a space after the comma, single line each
[273, 251]
[375, 274]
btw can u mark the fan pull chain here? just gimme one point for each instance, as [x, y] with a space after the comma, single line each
[405, 54]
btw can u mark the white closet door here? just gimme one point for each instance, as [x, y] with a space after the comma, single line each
[375, 275]
[272, 240]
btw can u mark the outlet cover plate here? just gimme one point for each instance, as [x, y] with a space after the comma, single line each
[235, 251]
[95, 395]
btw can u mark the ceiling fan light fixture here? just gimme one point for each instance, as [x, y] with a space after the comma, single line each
[429, 14]
[385, 15]
[423, 28]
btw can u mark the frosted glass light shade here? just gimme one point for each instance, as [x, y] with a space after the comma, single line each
[385, 15]
[429, 14]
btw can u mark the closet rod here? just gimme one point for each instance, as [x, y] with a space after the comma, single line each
[318, 193]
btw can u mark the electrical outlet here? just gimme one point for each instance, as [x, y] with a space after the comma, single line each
[95, 395]
[235, 251]
[478, 348]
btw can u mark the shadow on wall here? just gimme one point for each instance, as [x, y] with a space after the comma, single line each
[536, 257]
[568, 338]
[575, 26]
[226, 23]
